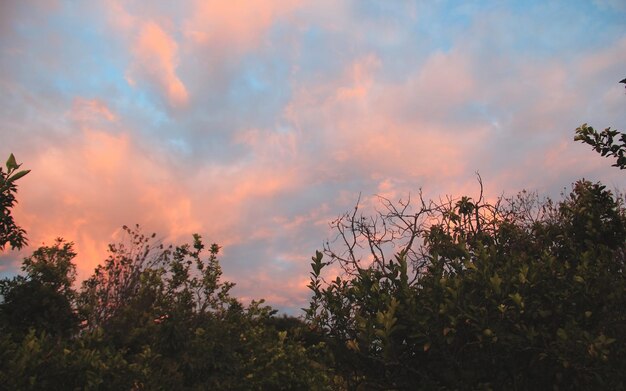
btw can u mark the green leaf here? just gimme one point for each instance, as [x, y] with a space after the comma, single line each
[495, 283]
[11, 163]
[517, 298]
[18, 175]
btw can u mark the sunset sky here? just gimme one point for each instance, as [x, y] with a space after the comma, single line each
[255, 123]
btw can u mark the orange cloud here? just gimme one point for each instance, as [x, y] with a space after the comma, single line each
[156, 60]
[154, 52]
[96, 182]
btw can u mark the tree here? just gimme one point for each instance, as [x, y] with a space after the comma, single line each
[118, 282]
[519, 294]
[167, 309]
[10, 233]
[43, 300]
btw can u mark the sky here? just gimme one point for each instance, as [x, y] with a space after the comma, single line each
[256, 123]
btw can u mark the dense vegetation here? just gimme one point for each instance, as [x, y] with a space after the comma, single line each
[521, 293]
[518, 295]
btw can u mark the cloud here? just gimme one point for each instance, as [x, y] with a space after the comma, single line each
[234, 25]
[364, 129]
[156, 60]
[148, 33]
[256, 123]
[86, 188]
[614, 5]
[85, 110]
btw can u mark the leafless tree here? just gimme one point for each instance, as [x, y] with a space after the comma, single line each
[402, 227]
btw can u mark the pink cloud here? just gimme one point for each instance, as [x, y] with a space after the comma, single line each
[610, 58]
[153, 49]
[291, 290]
[361, 78]
[237, 25]
[359, 116]
[267, 145]
[318, 216]
[118, 15]
[444, 80]
[156, 60]
[86, 110]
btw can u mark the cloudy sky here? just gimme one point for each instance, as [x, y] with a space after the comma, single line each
[255, 123]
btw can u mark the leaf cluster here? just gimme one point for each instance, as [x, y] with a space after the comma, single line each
[608, 143]
[10, 233]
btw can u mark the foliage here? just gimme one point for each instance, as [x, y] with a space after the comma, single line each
[41, 300]
[152, 317]
[10, 233]
[519, 294]
[172, 301]
[41, 362]
[609, 143]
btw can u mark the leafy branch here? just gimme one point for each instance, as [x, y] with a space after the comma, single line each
[608, 143]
